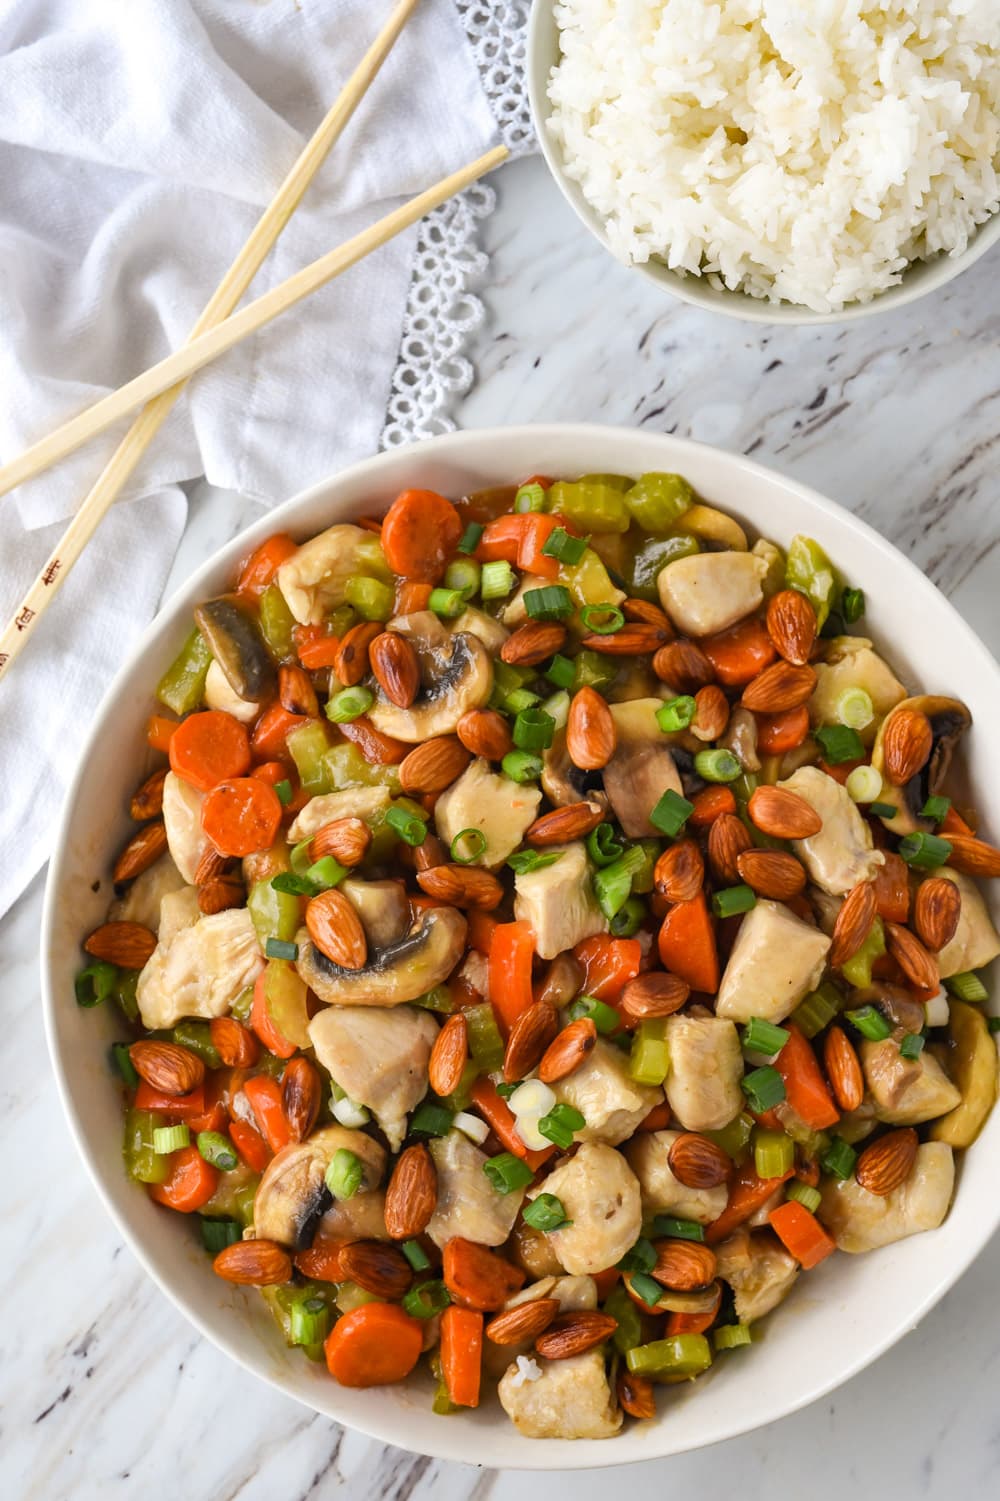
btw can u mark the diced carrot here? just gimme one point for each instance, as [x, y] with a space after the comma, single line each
[272, 772]
[841, 771]
[411, 596]
[176, 1107]
[377, 749]
[214, 1116]
[370, 524]
[805, 1087]
[261, 566]
[777, 733]
[263, 1024]
[481, 926]
[499, 1117]
[801, 1233]
[477, 1277]
[694, 1323]
[740, 652]
[605, 1281]
[421, 903]
[271, 731]
[687, 944]
[315, 646]
[462, 1354]
[373, 1345]
[160, 731]
[250, 1144]
[769, 1119]
[321, 1262]
[209, 747]
[241, 815]
[512, 948]
[747, 1193]
[264, 1094]
[657, 1120]
[190, 1182]
[420, 531]
[892, 888]
[710, 805]
[954, 823]
[608, 964]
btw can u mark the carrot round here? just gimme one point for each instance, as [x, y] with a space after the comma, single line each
[189, 1184]
[250, 1144]
[241, 816]
[419, 534]
[207, 748]
[801, 1233]
[777, 733]
[739, 653]
[687, 945]
[462, 1354]
[373, 1345]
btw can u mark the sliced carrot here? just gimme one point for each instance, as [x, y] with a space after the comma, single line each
[499, 1117]
[373, 1345]
[190, 1182]
[805, 1087]
[176, 1107]
[420, 903]
[315, 646]
[270, 733]
[263, 1024]
[377, 749]
[520, 539]
[710, 805]
[250, 1144]
[321, 1262]
[608, 964]
[777, 733]
[481, 926]
[841, 771]
[420, 531]
[694, 1323]
[241, 815]
[370, 524]
[160, 732]
[739, 653]
[272, 772]
[687, 944]
[477, 1277]
[769, 1119]
[264, 1094]
[209, 747]
[512, 948]
[605, 1281]
[214, 1117]
[801, 1233]
[657, 1120]
[261, 566]
[747, 1193]
[462, 1354]
[411, 596]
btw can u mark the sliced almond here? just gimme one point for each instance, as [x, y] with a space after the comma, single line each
[727, 840]
[522, 1322]
[348, 840]
[235, 1044]
[433, 766]
[147, 799]
[351, 661]
[377, 1267]
[485, 732]
[565, 1054]
[563, 825]
[300, 1096]
[973, 857]
[680, 872]
[683, 666]
[396, 668]
[651, 995]
[633, 640]
[532, 643]
[919, 967]
[698, 1162]
[684, 1265]
[907, 741]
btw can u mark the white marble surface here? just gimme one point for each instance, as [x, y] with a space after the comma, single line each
[104, 1389]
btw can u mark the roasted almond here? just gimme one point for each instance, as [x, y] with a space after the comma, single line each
[783, 814]
[937, 909]
[235, 1044]
[462, 886]
[562, 825]
[711, 713]
[563, 980]
[130, 945]
[568, 1050]
[449, 1055]
[166, 1066]
[919, 967]
[411, 1196]
[300, 1096]
[529, 1037]
[683, 666]
[650, 995]
[428, 853]
[296, 692]
[351, 661]
[573, 1333]
[791, 625]
[633, 640]
[680, 872]
[377, 1267]
[728, 838]
[887, 1162]
[254, 1263]
[335, 928]
[843, 1069]
[973, 857]
[485, 732]
[779, 687]
[476, 1277]
[532, 642]
[395, 667]
[221, 894]
[142, 851]
[346, 839]
[772, 874]
[433, 766]
[646, 613]
[147, 799]
[697, 1162]
[854, 922]
[636, 1395]
[591, 736]
[684, 1265]
[211, 865]
[907, 741]
[522, 1322]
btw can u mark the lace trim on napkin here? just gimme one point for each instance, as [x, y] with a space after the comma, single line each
[441, 308]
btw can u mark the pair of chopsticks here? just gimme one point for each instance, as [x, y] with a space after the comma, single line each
[217, 330]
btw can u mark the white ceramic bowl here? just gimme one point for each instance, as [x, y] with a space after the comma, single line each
[921, 278]
[842, 1315]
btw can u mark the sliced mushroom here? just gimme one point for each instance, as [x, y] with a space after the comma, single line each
[600, 1194]
[949, 720]
[776, 960]
[973, 1063]
[400, 972]
[863, 1221]
[456, 674]
[312, 580]
[360, 1218]
[976, 942]
[760, 1272]
[490, 632]
[498, 807]
[532, 1250]
[558, 902]
[642, 768]
[740, 737]
[383, 907]
[236, 645]
[564, 783]
[369, 803]
[849, 662]
[711, 591]
[293, 1196]
[379, 1058]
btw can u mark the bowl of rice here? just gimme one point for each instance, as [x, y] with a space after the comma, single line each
[772, 160]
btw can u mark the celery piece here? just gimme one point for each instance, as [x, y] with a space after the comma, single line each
[370, 558]
[338, 622]
[274, 914]
[734, 1138]
[285, 998]
[649, 1060]
[857, 971]
[629, 1332]
[196, 1036]
[307, 747]
[277, 623]
[593, 670]
[485, 1043]
[345, 766]
[243, 1003]
[125, 993]
[182, 686]
[351, 1296]
[809, 570]
[642, 875]
[461, 1096]
[773, 1153]
[142, 1162]
[680, 1356]
[658, 501]
[370, 598]
[819, 1007]
[594, 503]
[652, 557]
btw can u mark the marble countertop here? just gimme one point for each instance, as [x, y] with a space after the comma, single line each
[105, 1390]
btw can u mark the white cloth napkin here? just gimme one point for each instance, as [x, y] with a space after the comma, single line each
[139, 140]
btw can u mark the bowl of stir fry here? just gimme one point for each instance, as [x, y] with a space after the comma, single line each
[522, 927]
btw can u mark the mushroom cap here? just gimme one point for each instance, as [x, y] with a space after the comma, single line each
[399, 972]
[949, 718]
[236, 645]
[292, 1196]
[456, 674]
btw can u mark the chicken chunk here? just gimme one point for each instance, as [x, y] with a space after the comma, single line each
[482, 799]
[606, 1095]
[976, 941]
[600, 1194]
[851, 663]
[906, 1091]
[711, 591]
[841, 854]
[570, 1399]
[776, 960]
[141, 902]
[642, 768]
[186, 840]
[760, 1272]
[467, 1203]
[220, 695]
[369, 803]
[312, 580]
[559, 902]
[863, 1221]
[378, 1057]
[200, 969]
[662, 1193]
[706, 1066]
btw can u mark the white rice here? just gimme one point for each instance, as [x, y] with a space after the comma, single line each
[797, 150]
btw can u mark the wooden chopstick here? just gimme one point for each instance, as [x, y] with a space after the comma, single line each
[226, 297]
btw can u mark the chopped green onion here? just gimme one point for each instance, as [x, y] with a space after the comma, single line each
[431, 1120]
[496, 580]
[560, 672]
[123, 1063]
[817, 1010]
[852, 605]
[731, 1336]
[284, 791]
[864, 784]
[554, 602]
[326, 873]
[604, 1017]
[764, 1088]
[967, 986]
[732, 900]
[463, 575]
[216, 1235]
[760, 1036]
[546, 1213]
[168, 1139]
[926, 851]
[426, 1300]
[349, 704]
[628, 919]
[293, 885]
[647, 1288]
[602, 846]
[676, 714]
[911, 1046]
[277, 948]
[560, 1124]
[613, 883]
[474, 841]
[411, 829]
[883, 810]
[839, 743]
[471, 537]
[839, 1159]
[649, 1059]
[415, 1255]
[525, 861]
[855, 709]
[936, 808]
[519, 700]
[773, 1153]
[564, 547]
[308, 1322]
[506, 1090]
[529, 498]
[717, 766]
[447, 602]
[507, 1173]
[602, 620]
[674, 1228]
[371, 598]
[803, 1193]
[640, 1258]
[95, 983]
[520, 767]
[671, 813]
[870, 1023]
[678, 1355]
[534, 730]
[218, 1150]
[345, 1174]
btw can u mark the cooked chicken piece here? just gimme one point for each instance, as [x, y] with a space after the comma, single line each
[863, 1221]
[383, 907]
[600, 1194]
[219, 695]
[378, 1057]
[312, 580]
[477, 623]
[178, 909]
[642, 768]
[759, 1270]
[369, 803]
[467, 1203]
[851, 663]
[976, 941]
[826, 908]
[662, 1193]
[606, 1095]
[360, 1218]
[711, 591]
[841, 854]
[776, 960]
[906, 1091]
[569, 1399]
[482, 799]
[141, 902]
[182, 818]
[198, 970]
[706, 1066]
[559, 902]
[574, 1293]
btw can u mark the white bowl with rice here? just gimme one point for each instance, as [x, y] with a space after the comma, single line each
[774, 161]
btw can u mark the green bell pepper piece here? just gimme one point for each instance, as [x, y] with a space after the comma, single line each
[141, 1162]
[182, 686]
[809, 570]
[274, 914]
[858, 970]
[658, 501]
[277, 624]
[629, 1332]
[652, 557]
[595, 503]
[196, 1036]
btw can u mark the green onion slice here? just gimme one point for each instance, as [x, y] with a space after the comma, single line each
[497, 580]
[345, 1174]
[534, 730]
[676, 714]
[852, 605]
[883, 810]
[561, 672]
[414, 1251]
[411, 829]
[168, 1139]
[912, 1045]
[936, 808]
[925, 851]
[123, 1063]
[640, 1258]
[602, 620]
[284, 791]
[529, 498]
[564, 547]
[764, 1088]
[717, 765]
[967, 986]
[470, 841]
[554, 602]
[648, 1289]
[279, 948]
[521, 767]
[677, 1229]
[760, 1036]
[546, 1213]
[733, 900]
[216, 1235]
[870, 1023]
[431, 1120]
[471, 537]
[671, 813]
[560, 1124]
[803, 1193]
[839, 1159]
[604, 1017]
[507, 1173]
[218, 1150]
[95, 983]
[525, 861]
[349, 704]
[839, 743]
[731, 1336]
[603, 846]
[447, 602]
